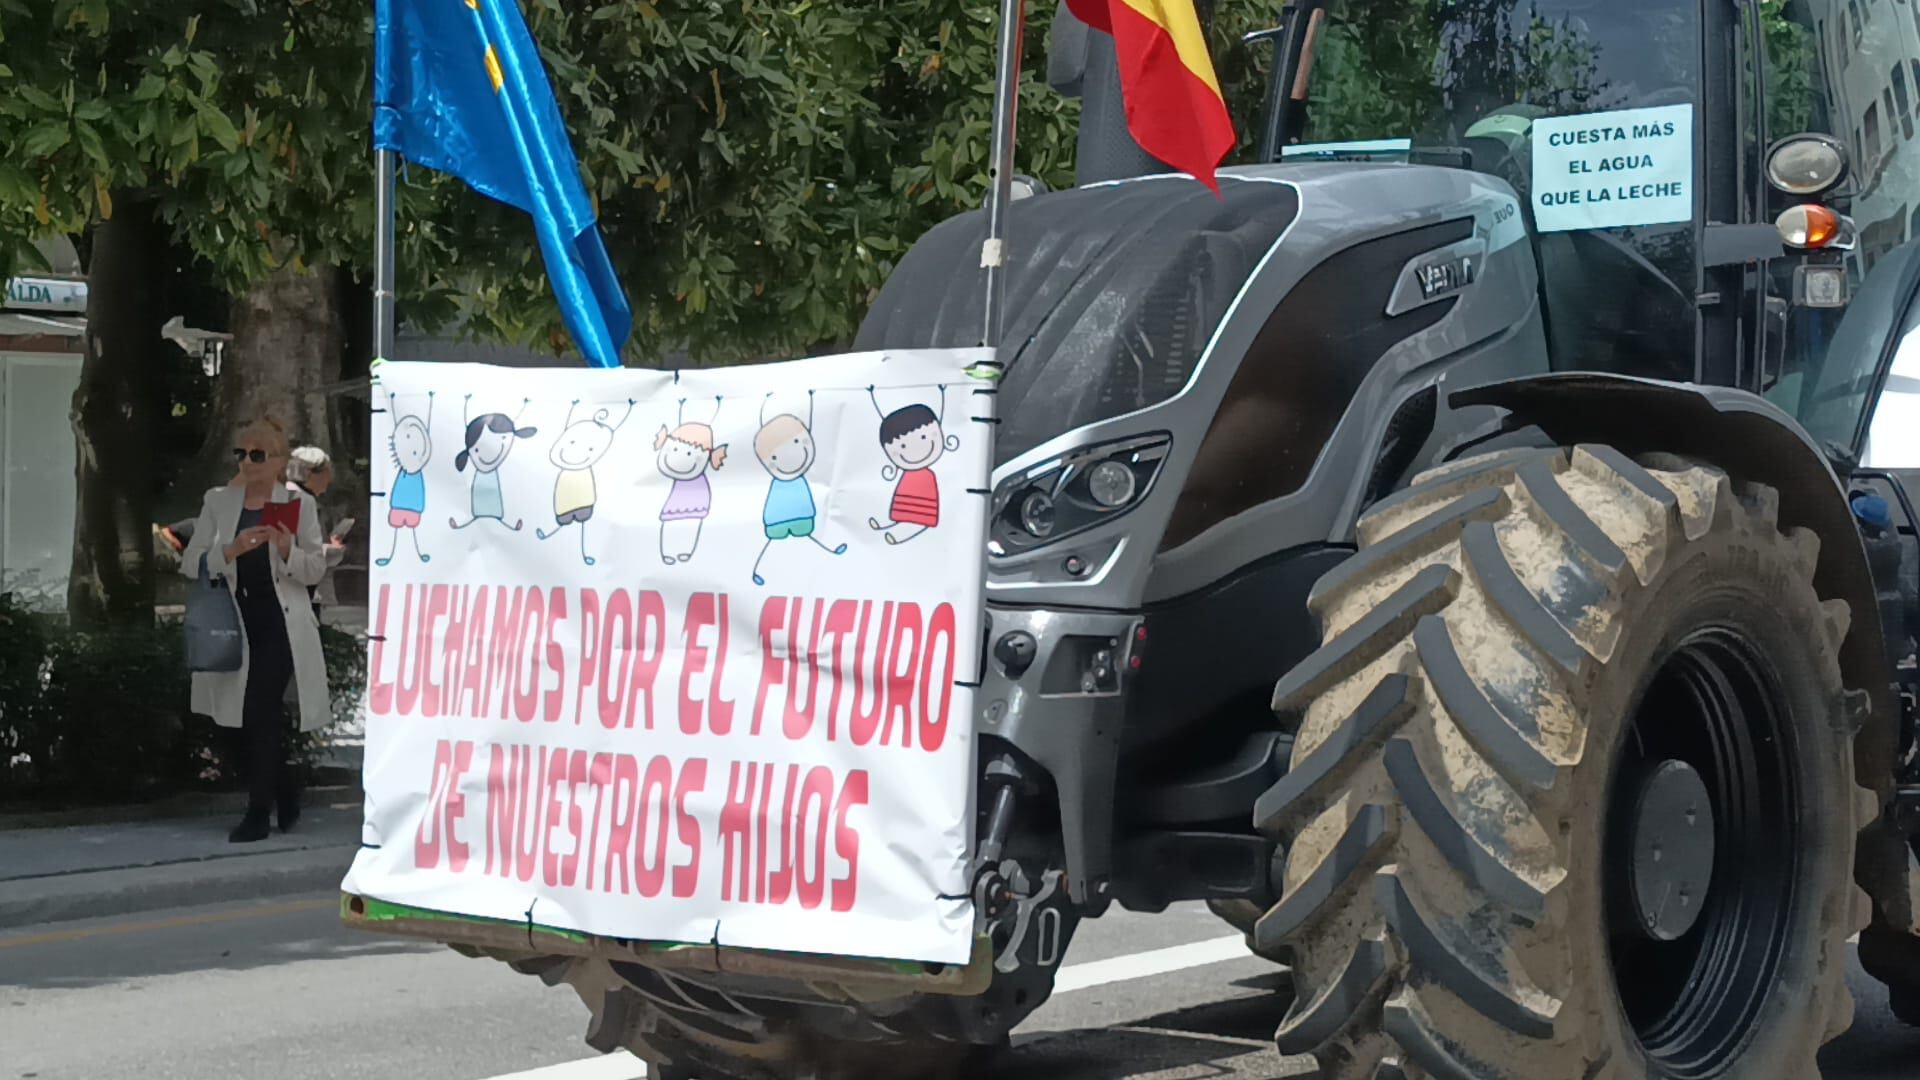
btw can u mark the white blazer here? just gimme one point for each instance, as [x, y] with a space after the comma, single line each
[220, 694]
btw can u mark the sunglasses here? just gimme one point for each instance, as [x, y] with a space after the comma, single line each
[258, 457]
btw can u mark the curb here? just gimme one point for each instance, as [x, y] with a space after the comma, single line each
[101, 893]
[184, 805]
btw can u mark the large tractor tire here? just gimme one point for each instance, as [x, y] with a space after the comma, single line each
[1572, 794]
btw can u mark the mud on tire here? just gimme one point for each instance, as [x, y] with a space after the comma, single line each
[1514, 642]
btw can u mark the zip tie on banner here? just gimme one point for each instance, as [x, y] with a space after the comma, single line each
[986, 393]
[364, 846]
[376, 637]
[967, 684]
[985, 419]
[979, 491]
[378, 494]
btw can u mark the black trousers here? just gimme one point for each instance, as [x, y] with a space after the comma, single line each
[263, 715]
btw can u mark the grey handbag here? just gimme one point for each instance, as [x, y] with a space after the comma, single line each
[214, 635]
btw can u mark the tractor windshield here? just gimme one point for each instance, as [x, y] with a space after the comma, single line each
[1852, 70]
[1460, 83]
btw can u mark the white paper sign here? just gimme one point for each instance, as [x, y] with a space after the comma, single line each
[1608, 169]
[680, 658]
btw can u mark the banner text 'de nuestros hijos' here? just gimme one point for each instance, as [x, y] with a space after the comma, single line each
[680, 656]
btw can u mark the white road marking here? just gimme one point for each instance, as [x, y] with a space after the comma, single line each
[1155, 962]
[618, 1065]
[624, 1066]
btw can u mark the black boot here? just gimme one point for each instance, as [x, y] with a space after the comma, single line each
[289, 810]
[252, 827]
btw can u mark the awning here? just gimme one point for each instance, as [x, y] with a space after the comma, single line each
[21, 324]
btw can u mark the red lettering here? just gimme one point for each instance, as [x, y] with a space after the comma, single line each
[556, 656]
[839, 621]
[473, 680]
[504, 650]
[576, 779]
[693, 780]
[650, 834]
[846, 840]
[598, 776]
[780, 881]
[409, 646]
[426, 840]
[773, 669]
[864, 721]
[425, 655]
[379, 689]
[719, 709]
[760, 835]
[553, 774]
[903, 661]
[699, 617]
[818, 792]
[590, 653]
[456, 806]
[526, 831]
[651, 631]
[626, 771]
[798, 721]
[933, 723]
[736, 839]
[614, 642]
[526, 687]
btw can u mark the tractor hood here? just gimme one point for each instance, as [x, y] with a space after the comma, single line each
[1113, 293]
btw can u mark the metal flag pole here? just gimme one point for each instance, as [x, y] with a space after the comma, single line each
[383, 179]
[1006, 100]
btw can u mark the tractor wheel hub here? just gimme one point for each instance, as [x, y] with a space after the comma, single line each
[1672, 861]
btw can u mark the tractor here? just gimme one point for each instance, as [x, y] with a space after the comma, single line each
[1471, 552]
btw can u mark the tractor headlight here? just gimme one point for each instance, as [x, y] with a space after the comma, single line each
[1806, 164]
[1112, 484]
[1074, 492]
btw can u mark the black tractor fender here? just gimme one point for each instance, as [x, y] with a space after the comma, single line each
[1755, 440]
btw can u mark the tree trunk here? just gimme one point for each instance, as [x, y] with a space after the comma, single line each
[113, 416]
[286, 350]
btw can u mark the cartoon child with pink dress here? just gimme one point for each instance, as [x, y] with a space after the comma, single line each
[686, 453]
[913, 439]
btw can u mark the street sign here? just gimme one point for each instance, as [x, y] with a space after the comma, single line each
[64, 295]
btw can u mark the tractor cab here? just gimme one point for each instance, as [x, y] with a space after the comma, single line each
[1802, 119]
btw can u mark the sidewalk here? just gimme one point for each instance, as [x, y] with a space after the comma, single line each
[120, 868]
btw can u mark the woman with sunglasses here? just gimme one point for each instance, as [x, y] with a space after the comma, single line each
[263, 538]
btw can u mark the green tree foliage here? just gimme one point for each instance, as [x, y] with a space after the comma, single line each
[758, 166]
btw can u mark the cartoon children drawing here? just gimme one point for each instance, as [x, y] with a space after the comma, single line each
[578, 449]
[411, 446]
[490, 437]
[686, 453]
[913, 439]
[785, 448]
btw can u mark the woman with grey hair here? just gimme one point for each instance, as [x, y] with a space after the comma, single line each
[310, 470]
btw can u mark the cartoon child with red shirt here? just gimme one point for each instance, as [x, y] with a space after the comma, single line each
[913, 440]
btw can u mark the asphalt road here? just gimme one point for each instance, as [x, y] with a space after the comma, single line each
[280, 990]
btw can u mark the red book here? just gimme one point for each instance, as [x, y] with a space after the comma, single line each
[286, 513]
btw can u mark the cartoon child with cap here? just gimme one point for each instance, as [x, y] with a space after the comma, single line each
[913, 439]
[786, 450]
[411, 446]
[579, 448]
[686, 454]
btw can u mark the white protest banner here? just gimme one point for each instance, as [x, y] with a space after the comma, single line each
[680, 656]
[1609, 169]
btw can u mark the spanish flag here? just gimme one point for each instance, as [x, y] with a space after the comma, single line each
[1175, 110]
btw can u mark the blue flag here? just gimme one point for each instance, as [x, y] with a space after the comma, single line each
[458, 86]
